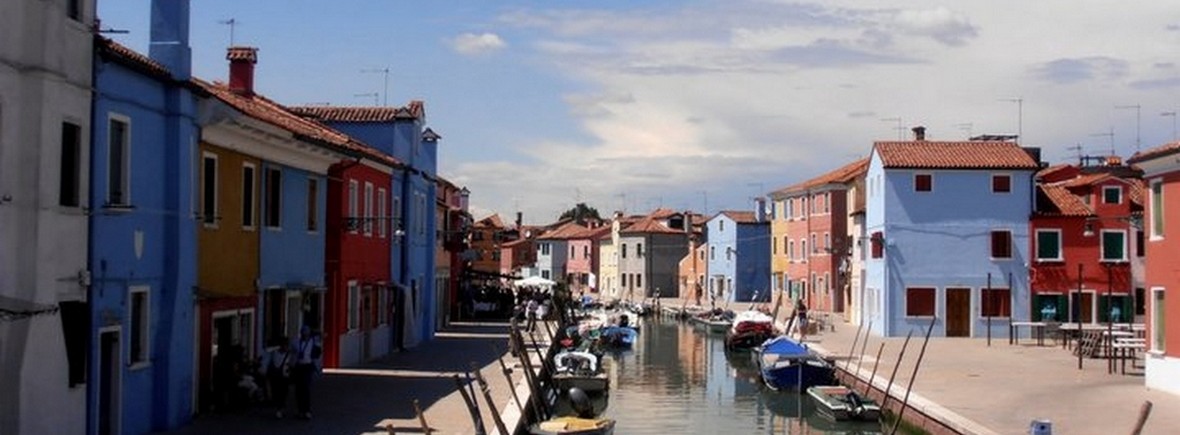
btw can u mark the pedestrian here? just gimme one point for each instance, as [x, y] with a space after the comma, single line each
[278, 374]
[307, 351]
[801, 317]
[530, 310]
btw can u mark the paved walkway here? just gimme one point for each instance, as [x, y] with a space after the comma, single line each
[356, 401]
[1003, 388]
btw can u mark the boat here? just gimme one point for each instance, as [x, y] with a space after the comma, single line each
[617, 336]
[750, 329]
[787, 364]
[716, 320]
[581, 370]
[572, 425]
[842, 403]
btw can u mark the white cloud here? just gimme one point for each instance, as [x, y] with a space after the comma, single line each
[477, 43]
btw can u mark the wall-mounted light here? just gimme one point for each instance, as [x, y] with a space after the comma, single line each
[1088, 230]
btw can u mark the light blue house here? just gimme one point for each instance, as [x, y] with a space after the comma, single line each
[401, 132]
[941, 217]
[142, 251]
[739, 256]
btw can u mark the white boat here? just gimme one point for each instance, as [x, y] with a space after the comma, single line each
[577, 369]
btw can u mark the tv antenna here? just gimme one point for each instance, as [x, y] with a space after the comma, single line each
[385, 87]
[899, 128]
[1019, 117]
[1173, 115]
[1137, 113]
[232, 22]
[1109, 134]
[965, 126]
[369, 94]
[1078, 148]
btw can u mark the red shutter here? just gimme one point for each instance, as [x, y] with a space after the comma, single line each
[878, 242]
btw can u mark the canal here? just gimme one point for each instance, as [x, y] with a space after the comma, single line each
[680, 380]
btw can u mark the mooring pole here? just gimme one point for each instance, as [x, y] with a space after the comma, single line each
[855, 339]
[892, 376]
[913, 376]
[987, 294]
[873, 376]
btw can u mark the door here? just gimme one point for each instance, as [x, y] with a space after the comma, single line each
[1087, 307]
[958, 312]
[366, 322]
[110, 369]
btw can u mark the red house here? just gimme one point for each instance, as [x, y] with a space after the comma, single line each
[1162, 173]
[361, 231]
[1084, 241]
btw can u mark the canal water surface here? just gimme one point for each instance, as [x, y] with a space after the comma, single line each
[680, 380]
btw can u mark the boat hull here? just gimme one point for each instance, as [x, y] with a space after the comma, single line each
[797, 376]
[597, 383]
[841, 404]
[747, 339]
[570, 426]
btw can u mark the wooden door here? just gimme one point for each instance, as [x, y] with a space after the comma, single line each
[1087, 307]
[958, 312]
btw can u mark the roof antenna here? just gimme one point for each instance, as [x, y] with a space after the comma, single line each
[1077, 148]
[232, 22]
[368, 94]
[385, 90]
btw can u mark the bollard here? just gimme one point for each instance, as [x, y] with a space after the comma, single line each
[1040, 427]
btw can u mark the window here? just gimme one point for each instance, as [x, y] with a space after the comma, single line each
[919, 301]
[720, 225]
[1157, 209]
[639, 280]
[586, 251]
[623, 250]
[368, 225]
[803, 249]
[791, 249]
[814, 246]
[728, 253]
[923, 182]
[71, 170]
[1001, 183]
[878, 244]
[139, 316]
[712, 251]
[571, 251]
[545, 274]
[1114, 245]
[1139, 242]
[827, 202]
[354, 296]
[773, 246]
[1049, 245]
[790, 205]
[382, 227]
[1002, 244]
[248, 195]
[624, 280]
[1158, 316]
[353, 206]
[74, 9]
[118, 161]
[828, 242]
[209, 189]
[274, 197]
[996, 302]
[1112, 195]
[827, 280]
[639, 250]
[313, 204]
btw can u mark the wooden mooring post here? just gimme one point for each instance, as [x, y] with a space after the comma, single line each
[896, 365]
[914, 375]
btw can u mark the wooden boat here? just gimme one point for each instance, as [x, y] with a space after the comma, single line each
[574, 426]
[716, 320]
[750, 329]
[577, 369]
[842, 403]
[786, 364]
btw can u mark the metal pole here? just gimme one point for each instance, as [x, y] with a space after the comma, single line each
[900, 357]
[1109, 319]
[873, 375]
[913, 376]
[855, 339]
[1078, 315]
[986, 296]
[861, 358]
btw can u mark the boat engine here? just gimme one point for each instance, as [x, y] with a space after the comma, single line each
[581, 403]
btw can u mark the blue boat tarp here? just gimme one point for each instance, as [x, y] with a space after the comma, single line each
[785, 346]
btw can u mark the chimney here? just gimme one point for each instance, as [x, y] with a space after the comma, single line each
[919, 133]
[169, 37]
[519, 218]
[760, 212]
[241, 69]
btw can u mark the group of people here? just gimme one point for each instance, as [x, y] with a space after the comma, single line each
[270, 378]
[532, 306]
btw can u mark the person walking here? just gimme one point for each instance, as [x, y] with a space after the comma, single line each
[307, 351]
[278, 374]
[801, 317]
[530, 309]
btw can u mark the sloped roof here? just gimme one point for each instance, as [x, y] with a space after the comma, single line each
[842, 174]
[490, 221]
[593, 233]
[741, 217]
[115, 51]
[1057, 200]
[649, 225]
[1153, 153]
[359, 113]
[1136, 193]
[954, 155]
[1058, 172]
[1086, 179]
[265, 110]
[663, 213]
[565, 231]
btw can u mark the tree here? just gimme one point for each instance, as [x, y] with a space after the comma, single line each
[581, 213]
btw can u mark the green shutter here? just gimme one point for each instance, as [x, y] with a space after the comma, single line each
[1112, 246]
[1048, 245]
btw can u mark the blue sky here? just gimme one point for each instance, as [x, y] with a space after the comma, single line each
[638, 104]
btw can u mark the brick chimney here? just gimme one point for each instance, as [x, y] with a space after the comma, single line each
[241, 69]
[919, 133]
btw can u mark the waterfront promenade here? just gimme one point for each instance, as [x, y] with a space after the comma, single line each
[1002, 388]
[356, 401]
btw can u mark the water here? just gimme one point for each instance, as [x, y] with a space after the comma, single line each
[680, 380]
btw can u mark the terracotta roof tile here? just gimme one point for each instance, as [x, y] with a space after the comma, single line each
[565, 231]
[1085, 180]
[249, 54]
[1056, 200]
[131, 58]
[492, 221]
[741, 217]
[841, 175]
[649, 225]
[263, 109]
[359, 113]
[954, 155]
[1136, 192]
[1153, 153]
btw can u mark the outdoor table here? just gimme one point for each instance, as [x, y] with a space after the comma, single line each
[1128, 347]
[1037, 329]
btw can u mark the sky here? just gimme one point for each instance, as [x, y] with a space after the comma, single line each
[702, 104]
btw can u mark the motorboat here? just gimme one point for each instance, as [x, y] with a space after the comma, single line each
[841, 403]
[581, 370]
[787, 364]
[749, 330]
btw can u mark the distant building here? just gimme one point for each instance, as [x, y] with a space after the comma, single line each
[738, 262]
[649, 251]
[582, 265]
[553, 251]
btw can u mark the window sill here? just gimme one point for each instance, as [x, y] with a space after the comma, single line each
[139, 365]
[1156, 353]
[920, 317]
[1050, 260]
[275, 229]
[117, 208]
[1123, 261]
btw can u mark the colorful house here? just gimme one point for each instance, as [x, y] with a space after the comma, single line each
[1161, 171]
[948, 234]
[739, 256]
[486, 236]
[452, 250]
[693, 269]
[609, 285]
[582, 265]
[649, 253]
[401, 133]
[813, 230]
[857, 247]
[45, 98]
[553, 251]
[142, 247]
[1084, 240]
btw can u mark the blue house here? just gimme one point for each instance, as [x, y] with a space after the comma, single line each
[142, 248]
[739, 256]
[401, 132]
[947, 226]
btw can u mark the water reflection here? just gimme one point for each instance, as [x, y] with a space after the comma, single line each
[677, 380]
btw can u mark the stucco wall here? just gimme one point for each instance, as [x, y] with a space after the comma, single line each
[228, 253]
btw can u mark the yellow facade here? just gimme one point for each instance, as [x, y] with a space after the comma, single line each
[779, 260]
[228, 248]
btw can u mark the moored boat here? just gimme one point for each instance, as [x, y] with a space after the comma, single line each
[786, 364]
[842, 403]
[576, 369]
[716, 320]
[750, 329]
[571, 425]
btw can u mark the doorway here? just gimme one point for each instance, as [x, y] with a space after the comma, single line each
[366, 322]
[109, 382]
[958, 312]
[1084, 310]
